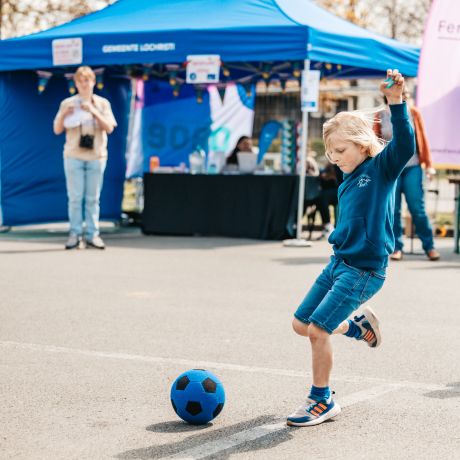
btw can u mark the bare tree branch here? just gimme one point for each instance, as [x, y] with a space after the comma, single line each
[400, 19]
[355, 11]
[23, 17]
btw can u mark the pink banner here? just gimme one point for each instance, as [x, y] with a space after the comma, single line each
[438, 94]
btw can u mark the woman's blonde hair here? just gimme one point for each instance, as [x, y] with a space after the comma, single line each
[84, 71]
[356, 127]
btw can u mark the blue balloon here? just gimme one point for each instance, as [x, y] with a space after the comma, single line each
[197, 396]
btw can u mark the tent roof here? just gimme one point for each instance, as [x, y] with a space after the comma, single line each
[166, 31]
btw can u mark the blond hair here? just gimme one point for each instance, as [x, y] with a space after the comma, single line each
[85, 72]
[356, 127]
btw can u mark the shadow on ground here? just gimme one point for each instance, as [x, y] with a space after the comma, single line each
[127, 237]
[305, 260]
[442, 266]
[452, 391]
[176, 426]
[30, 251]
[447, 255]
[265, 442]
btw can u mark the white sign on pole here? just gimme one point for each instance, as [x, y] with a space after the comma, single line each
[203, 68]
[67, 51]
[310, 90]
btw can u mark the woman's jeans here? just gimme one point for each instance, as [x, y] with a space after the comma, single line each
[84, 184]
[411, 184]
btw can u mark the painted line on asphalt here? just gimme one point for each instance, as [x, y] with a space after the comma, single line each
[220, 445]
[211, 365]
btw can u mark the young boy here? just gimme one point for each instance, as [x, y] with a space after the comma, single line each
[362, 241]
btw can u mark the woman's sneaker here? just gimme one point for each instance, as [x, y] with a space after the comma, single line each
[368, 323]
[74, 242]
[314, 412]
[96, 242]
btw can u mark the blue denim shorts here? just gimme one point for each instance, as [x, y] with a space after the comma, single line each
[337, 293]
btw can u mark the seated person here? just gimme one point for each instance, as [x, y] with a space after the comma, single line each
[244, 144]
[311, 165]
[328, 196]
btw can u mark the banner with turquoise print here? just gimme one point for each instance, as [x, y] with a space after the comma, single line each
[232, 114]
[173, 127]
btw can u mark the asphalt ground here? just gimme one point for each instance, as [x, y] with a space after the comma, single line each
[91, 341]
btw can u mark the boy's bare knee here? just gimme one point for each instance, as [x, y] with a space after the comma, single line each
[299, 327]
[317, 333]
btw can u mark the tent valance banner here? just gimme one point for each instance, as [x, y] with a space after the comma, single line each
[438, 94]
[166, 32]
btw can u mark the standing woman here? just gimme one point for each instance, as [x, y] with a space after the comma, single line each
[86, 119]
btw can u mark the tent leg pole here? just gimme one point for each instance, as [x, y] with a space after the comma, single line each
[303, 161]
[298, 241]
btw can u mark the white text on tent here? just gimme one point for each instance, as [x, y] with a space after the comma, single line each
[138, 47]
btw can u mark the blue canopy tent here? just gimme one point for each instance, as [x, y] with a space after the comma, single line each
[166, 31]
[161, 32]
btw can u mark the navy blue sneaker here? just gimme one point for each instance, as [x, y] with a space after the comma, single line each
[368, 323]
[314, 412]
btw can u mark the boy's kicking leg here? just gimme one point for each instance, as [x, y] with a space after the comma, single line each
[363, 327]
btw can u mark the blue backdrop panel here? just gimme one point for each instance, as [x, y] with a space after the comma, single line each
[32, 173]
[172, 127]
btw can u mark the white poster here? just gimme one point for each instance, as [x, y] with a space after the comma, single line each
[310, 90]
[203, 68]
[67, 51]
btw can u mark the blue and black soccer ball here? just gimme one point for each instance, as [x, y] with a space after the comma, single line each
[197, 396]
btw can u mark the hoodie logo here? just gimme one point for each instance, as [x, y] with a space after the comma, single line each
[363, 180]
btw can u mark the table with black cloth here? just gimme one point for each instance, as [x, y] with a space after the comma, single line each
[242, 206]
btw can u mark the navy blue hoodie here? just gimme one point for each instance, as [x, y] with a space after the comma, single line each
[364, 232]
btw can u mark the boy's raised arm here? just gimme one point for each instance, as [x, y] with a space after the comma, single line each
[401, 148]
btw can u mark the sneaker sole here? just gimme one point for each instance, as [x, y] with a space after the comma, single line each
[374, 322]
[322, 418]
[89, 245]
[78, 246]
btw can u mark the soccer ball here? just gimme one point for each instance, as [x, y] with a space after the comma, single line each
[197, 396]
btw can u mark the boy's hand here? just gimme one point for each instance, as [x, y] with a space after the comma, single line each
[396, 82]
